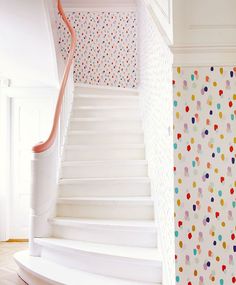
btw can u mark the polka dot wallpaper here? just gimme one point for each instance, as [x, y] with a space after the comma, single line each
[106, 51]
[205, 175]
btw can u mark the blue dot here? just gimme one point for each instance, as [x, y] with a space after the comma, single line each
[218, 149]
[193, 120]
[231, 73]
[232, 117]
[206, 132]
[234, 248]
[214, 242]
[193, 163]
[176, 190]
[205, 88]
[220, 193]
[212, 68]
[208, 264]
[213, 155]
[207, 219]
[212, 199]
[194, 207]
[207, 175]
[211, 112]
[218, 106]
[220, 237]
[233, 160]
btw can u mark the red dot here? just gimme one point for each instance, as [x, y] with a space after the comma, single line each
[221, 92]
[188, 147]
[188, 196]
[232, 191]
[223, 267]
[230, 104]
[179, 136]
[233, 236]
[222, 179]
[231, 148]
[215, 127]
[190, 236]
[234, 279]
[187, 109]
[180, 223]
[217, 214]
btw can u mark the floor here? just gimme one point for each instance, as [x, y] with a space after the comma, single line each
[8, 268]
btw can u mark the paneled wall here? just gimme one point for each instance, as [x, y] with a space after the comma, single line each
[106, 52]
[156, 106]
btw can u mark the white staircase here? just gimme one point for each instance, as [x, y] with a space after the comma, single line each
[104, 230]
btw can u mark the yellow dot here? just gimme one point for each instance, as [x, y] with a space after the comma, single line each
[221, 70]
[178, 202]
[180, 156]
[177, 115]
[195, 273]
[222, 156]
[223, 224]
[217, 258]
[222, 136]
[180, 244]
[220, 115]
[192, 140]
[216, 170]
[194, 184]
[193, 97]
[193, 228]
[224, 245]
[222, 202]
[180, 181]
[234, 183]
[234, 139]
[178, 94]
[181, 269]
[234, 96]
[214, 83]
[178, 69]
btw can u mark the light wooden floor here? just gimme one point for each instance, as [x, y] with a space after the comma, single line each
[8, 268]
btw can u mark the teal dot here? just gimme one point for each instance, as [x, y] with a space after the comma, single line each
[192, 77]
[195, 252]
[220, 237]
[220, 193]
[234, 204]
[177, 279]
[218, 106]
[175, 145]
[221, 282]
[193, 163]
[175, 103]
[176, 233]
[218, 149]
[232, 117]
[176, 190]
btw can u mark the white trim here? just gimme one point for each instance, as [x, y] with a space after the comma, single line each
[101, 9]
[208, 55]
[81, 85]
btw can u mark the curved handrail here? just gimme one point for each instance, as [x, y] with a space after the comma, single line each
[43, 146]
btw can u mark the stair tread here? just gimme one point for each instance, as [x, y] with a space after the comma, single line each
[97, 96]
[104, 107]
[151, 255]
[116, 162]
[107, 132]
[103, 222]
[105, 179]
[75, 146]
[141, 199]
[104, 119]
[48, 271]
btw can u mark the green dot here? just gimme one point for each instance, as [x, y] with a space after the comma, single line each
[221, 282]
[176, 233]
[218, 106]
[220, 193]
[218, 149]
[193, 163]
[177, 279]
[234, 204]
[175, 145]
[175, 103]
[192, 77]
[220, 237]
[232, 117]
[194, 251]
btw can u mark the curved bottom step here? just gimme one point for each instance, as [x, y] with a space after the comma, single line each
[38, 271]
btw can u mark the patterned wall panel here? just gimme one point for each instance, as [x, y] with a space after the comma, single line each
[205, 175]
[106, 51]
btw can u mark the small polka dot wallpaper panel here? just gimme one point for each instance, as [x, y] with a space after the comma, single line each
[106, 51]
[205, 175]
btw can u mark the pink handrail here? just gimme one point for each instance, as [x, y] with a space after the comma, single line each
[43, 146]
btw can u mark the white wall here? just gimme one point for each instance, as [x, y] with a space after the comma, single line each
[156, 105]
[27, 53]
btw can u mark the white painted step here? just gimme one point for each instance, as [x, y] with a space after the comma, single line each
[132, 263]
[105, 112]
[105, 90]
[105, 187]
[101, 124]
[106, 100]
[38, 271]
[103, 152]
[101, 169]
[105, 137]
[117, 232]
[129, 208]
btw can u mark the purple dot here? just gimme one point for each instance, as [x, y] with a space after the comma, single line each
[206, 132]
[208, 264]
[234, 247]
[212, 68]
[205, 88]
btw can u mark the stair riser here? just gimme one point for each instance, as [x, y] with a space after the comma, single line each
[94, 139]
[97, 234]
[105, 265]
[120, 113]
[106, 125]
[118, 102]
[108, 211]
[100, 171]
[104, 189]
[104, 154]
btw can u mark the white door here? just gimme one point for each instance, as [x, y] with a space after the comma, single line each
[31, 123]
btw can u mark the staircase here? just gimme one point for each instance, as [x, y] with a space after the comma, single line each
[104, 229]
